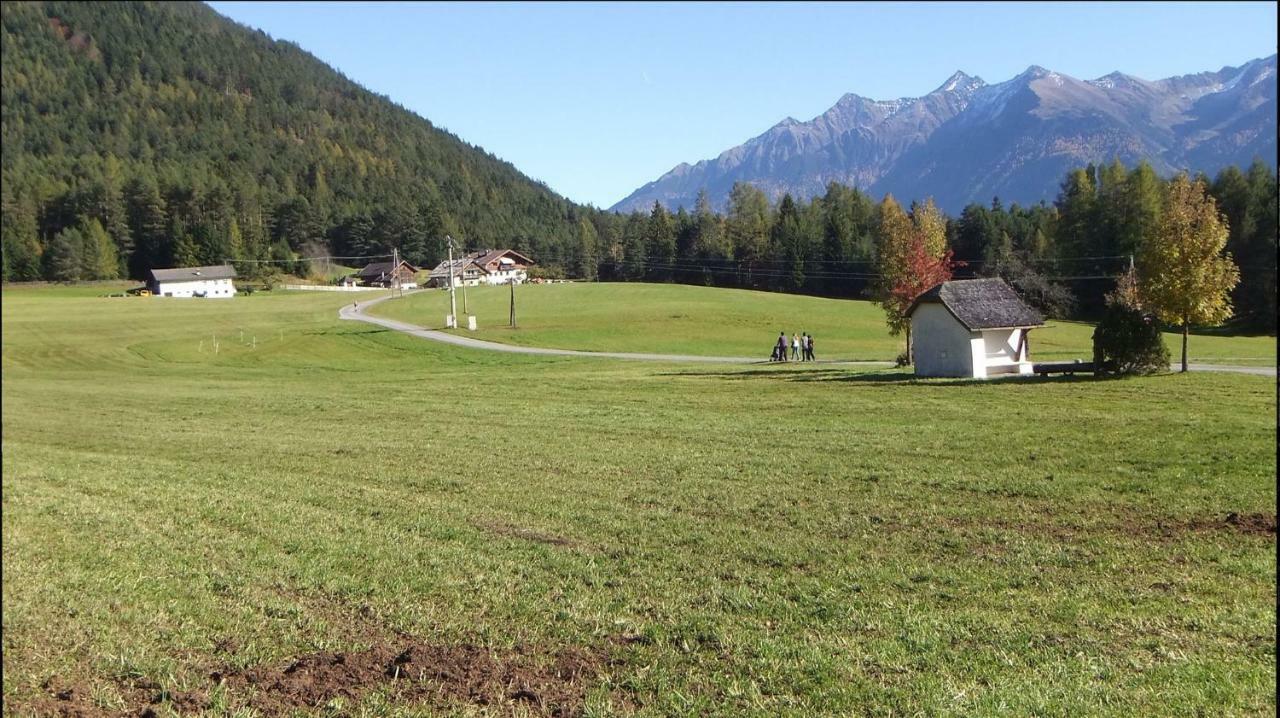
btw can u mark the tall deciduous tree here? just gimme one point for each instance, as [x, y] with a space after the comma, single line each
[894, 236]
[1185, 277]
[923, 272]
[910, 251]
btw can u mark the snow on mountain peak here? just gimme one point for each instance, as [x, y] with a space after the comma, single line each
[960, 83]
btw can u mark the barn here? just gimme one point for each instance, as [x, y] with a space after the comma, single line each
[211, 282]
[385, 274]
[971, 328]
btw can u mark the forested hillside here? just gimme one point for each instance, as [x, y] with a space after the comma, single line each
[138, 135]
[190, 138]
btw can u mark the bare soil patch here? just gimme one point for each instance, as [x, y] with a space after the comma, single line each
[1257, 524]
[528, 679]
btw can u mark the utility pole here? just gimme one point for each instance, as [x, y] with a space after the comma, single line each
[453, 305]
[395, 271]
[513, 302]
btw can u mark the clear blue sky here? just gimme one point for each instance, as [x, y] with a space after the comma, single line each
[597, 99]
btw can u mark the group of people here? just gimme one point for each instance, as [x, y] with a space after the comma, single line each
[801, 348]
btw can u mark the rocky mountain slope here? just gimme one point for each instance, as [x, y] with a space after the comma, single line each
[969, 141]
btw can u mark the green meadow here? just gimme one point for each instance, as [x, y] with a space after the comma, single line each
[197, 493]
[680, 319]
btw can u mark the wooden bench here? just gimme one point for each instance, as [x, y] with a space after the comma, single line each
[1066, 367]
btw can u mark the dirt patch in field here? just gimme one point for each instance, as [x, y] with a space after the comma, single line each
[1261, 525]
[1255, 524]
[553, 685]
[525, 680]
[61, 698]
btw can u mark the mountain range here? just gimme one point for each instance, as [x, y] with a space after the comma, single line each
[969, 141]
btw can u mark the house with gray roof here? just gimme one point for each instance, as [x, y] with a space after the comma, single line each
[211, 282]
[486, 266]
[971, 328]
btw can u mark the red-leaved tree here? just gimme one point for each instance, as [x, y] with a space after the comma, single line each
[921, 272]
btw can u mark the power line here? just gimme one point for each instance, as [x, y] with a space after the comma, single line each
[773, 273]
[302, 259]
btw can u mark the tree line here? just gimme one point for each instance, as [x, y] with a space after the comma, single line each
[1062, 257]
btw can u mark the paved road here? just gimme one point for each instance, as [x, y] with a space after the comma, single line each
[358, 314]
[1259, 370]
[350, 312]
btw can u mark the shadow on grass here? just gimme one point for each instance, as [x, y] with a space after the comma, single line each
[1223, 331]
[890, 378]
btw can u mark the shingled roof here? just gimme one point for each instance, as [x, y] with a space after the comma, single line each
[982, 304]
[486, 256]
[377, 270]
[442, 269]
[194, 274]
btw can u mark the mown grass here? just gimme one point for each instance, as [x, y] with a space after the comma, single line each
[781, 540]
[680, 319]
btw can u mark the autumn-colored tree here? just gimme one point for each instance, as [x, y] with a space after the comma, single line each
[923, 272]
[1184, 276]
[911, 257]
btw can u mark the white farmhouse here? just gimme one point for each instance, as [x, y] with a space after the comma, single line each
[487, 266]
[212, 282]
[971, 328]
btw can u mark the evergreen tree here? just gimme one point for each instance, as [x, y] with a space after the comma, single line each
[1077, 209]
[149, 226]
[98, 254]
[710, 242]
[635, 250]
[661, 244]
[586, 261]
[747, 226]
[185, 251]
[787, 242]
[18, 239]
[62, 257]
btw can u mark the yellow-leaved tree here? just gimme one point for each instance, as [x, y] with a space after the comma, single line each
[1184, 276]
[901, 264]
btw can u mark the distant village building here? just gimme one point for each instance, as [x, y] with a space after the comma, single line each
[487, 266]
[384, 274]
[211, 282]
[971, 328]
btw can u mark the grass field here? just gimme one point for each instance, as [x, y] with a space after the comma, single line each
[610, 538]
[678, 319]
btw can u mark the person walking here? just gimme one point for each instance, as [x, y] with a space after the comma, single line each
[808, 348]
[795, 347]
[782, 346]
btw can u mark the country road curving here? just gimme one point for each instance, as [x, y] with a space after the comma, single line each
[357, 313]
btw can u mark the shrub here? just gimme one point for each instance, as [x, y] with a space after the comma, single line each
[1128, 341]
